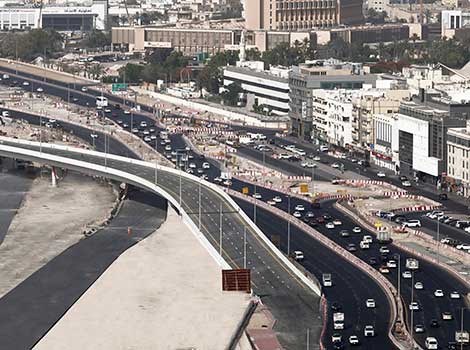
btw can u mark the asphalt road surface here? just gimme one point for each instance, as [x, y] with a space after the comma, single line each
[14, 184]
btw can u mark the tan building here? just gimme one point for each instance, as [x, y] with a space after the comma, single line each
[301, 14]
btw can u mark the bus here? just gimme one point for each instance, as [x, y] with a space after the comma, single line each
[101, 101]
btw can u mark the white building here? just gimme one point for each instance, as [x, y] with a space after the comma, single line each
[60, 18]
[269, 88]
[382, 152]
[452, 20]
[332, 116]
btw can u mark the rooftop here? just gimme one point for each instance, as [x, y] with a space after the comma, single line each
[265, 74]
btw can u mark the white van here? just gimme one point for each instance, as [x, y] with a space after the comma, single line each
[431, 343]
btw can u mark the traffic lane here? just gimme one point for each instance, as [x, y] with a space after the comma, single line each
[346, 277]
[430, 227]
[112, 145]
[432, 276]
[292, 168]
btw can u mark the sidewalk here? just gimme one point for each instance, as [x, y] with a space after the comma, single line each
[163, 293]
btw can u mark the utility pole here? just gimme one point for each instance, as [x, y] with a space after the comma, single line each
[412, 311]
[254, 208]
[244, 247]
[199, 202]
[288, 225]
[221, 233]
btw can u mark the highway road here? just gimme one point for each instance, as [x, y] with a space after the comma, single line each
[345, 276]
[430, 275]
[345, 273]
[271, 280]
[429, 303]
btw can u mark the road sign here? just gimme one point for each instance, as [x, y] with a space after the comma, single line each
[119, 87]
[303, 188]
[245, 190]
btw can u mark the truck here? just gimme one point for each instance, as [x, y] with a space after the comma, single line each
[412, 264]
[338, 320]
[326, 280]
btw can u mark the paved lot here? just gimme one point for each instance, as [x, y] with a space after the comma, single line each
[163, 293]
[28, 311]
[49, 221]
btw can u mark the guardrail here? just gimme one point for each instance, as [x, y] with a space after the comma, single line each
[384, 283]
[65, 161]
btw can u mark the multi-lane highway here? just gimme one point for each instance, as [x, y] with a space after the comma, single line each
[346, 275]
[431, 277]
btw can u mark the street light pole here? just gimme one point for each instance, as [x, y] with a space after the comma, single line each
[438, 242]
[221, 233]
[461, 327]
[254, 208]
[244, 247]
[40, 132]
[288, 226]
[412, 311]
[199, 202]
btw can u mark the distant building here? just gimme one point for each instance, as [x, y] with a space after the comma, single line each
[458, 158]
[420, 133]
[452, 21]
[269, 88]
[61, 18]
[298, 15]
[320, 74]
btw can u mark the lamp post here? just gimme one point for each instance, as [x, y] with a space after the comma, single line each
[412, 311]
[244, 247]
[288, 225]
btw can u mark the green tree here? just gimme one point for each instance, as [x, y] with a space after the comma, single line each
[131, 73]
[232, 93]
[253, 55]
[96, 39]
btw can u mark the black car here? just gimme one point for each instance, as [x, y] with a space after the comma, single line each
[443, 196]
[315, 205]
[434, 323]
[403, 178]
[335, 306]
[117, 106]
[306, 219]
[338, 345]
[313, 223]
[452, 345]
[327, 217]
[372, 261]
[399, 219]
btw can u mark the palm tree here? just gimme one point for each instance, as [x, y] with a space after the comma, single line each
[96, 71]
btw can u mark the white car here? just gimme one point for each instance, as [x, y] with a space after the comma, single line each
[271, 202]
[335, 165]
[419, 286]
[298, 255]
[392, 264]
[299, 207]
[337, 222]
[257, 195]
[297, 214]
[191, 165]
[167, 148]
[381, 174]
[206, 165]
[336, 337]
[414, 306]
[25, 83]
[354, 340]
[370, 303]
[406, 274]
[143, 124]
[369, 331]
[147, 139]
[84, 89]
[316, 158]
[277, 199]
[126, 111]
[357, 229]
[384, 250]
[412, 223]
[406, 184]
[455, 295]
[367, 239]
[135, 130]
[419, 328]
[447, 316]
[330, 225]
[438, 293]
[39, 89]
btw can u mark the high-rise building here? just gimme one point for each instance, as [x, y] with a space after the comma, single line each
[301, 14]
